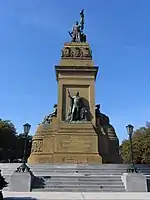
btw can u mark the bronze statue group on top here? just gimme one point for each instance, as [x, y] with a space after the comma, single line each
[77, 34]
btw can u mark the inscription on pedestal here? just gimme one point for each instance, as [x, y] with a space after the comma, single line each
[74, 159]
[76, 144]
[69, 159]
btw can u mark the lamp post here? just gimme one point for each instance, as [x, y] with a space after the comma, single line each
[24, 166]
[132, 169]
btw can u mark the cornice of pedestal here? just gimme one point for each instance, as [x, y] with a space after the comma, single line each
[85, 70]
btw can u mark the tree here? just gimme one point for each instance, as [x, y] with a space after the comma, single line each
[7, 138]
[11, 143]
[141, 147]
[20, 145]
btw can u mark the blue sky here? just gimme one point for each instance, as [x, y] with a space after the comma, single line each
[32, 34]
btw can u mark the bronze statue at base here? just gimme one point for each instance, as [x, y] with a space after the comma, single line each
[77, 110]
[48, 118]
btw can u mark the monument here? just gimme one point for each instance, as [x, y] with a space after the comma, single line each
[76, 131]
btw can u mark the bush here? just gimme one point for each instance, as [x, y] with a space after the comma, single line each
[3, 183]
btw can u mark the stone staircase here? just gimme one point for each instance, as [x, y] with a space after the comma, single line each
[80, 183]
[75, 177]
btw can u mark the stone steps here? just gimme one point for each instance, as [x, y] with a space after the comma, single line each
[80, 183]
[61, 173]
[72, 178]
[86, 185]
[79, 190]
[96, 187]
[74, 174]
[62, 181]
[75, 178]
[75, 166]
[82, 180]
[9, 168]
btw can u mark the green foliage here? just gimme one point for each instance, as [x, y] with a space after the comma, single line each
[7, 133]
[3, 183]
[141, 147]
[20, 145]
[11, 143]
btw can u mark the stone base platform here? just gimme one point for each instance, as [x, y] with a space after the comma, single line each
[75, 143]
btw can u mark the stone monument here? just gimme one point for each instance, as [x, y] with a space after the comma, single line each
[76, 131]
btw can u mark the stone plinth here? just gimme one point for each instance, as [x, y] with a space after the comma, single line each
[21, 182]
[134, 182]
[71, 143]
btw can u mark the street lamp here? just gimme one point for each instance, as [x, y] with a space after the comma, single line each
[26, 128]
[130, 132]
[23, 166]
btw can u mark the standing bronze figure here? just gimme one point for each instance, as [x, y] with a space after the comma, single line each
[77, 34]
[77, 111]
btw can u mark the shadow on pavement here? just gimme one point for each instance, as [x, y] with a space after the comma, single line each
[19, 198]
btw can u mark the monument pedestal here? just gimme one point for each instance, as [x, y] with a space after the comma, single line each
[70, 142]
[75, 143]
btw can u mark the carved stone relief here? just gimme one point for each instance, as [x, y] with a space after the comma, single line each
[87, 52]
[76, 52]
[37, 146]
[66, 52]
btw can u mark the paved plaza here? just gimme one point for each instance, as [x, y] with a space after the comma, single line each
[74, 196]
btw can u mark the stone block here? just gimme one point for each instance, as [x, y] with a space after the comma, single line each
[134, 182]
[21, 182]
